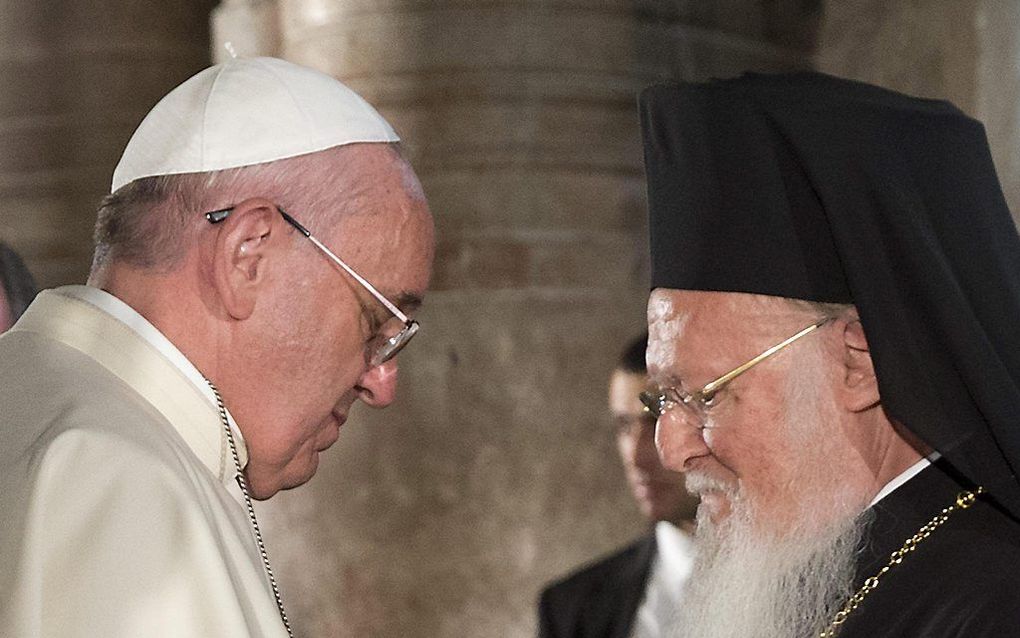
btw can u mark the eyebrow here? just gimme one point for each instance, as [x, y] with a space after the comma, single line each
[407, 301]
[666, 380]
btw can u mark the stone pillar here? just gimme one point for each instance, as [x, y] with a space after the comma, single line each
[496, 469]
[77, 79]
[966, 52]
[245, 28]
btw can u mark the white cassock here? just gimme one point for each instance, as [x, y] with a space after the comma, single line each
[120, 514]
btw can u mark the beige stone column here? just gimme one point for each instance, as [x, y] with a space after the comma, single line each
[245, 28]
[496, 469]
[966, 52]
[76, 81]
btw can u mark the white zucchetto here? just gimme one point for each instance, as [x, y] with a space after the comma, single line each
[244, 112]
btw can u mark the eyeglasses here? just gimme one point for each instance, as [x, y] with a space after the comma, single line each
[696, 404]
[389, 348]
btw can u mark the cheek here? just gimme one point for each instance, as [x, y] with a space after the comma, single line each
[333, 349]
[311, 379]
[751, 444]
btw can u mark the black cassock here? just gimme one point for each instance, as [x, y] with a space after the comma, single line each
[961, 581]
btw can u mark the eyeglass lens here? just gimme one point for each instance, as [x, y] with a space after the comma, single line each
[392, 346]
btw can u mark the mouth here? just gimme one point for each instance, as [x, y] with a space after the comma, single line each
[714, 506]
[716, 497]
[332, 431]
[699, 483]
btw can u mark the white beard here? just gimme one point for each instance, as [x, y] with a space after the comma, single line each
[784, 587]
[777, 583]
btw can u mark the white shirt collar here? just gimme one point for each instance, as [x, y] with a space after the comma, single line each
[676, 551]
[673, 563]
[904, 476]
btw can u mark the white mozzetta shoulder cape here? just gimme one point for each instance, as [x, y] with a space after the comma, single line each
[117, 519]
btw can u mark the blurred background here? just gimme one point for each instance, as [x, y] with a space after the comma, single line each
[496, 469]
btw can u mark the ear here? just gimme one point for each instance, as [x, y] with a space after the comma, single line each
[243, 250]
[860, 385]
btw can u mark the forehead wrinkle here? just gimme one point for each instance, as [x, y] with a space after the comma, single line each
[764, 316]
[716, 324]
[666, 325]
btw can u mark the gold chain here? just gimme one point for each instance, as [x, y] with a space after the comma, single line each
[963, 501]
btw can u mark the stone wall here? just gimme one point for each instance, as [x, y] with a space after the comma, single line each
[77, 78]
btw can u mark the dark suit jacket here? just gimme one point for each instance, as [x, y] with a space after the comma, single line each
[601, 599]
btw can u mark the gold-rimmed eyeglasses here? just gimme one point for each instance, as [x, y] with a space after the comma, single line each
[382, 352]
[696, 404]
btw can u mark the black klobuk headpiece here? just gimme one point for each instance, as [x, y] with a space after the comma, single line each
[817, 188]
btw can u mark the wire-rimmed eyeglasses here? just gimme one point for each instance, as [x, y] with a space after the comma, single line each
[388, 348]
[696, 404]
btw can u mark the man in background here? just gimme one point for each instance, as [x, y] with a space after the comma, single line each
[635, 591]
[17, 287]
[255, 265]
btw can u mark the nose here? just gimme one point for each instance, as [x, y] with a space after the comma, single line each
[678, 440]
[377, 385]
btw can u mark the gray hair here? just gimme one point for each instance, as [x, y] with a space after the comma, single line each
[151, 222]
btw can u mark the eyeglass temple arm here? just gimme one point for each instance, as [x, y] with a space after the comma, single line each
[729, 376]
[217, 216]
[339, 262]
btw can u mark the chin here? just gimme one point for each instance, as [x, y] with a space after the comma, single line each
[261, 492]
[298, 476]
[262, 488]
